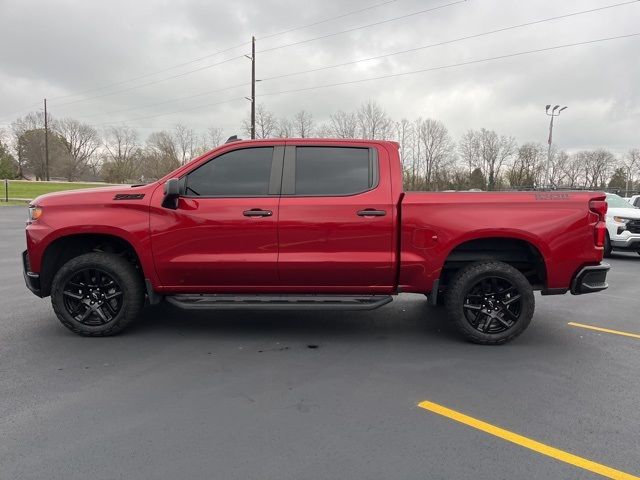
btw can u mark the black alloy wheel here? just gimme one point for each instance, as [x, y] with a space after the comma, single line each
[493, 305]
[97, 294]
[93, 297]
[490, 302]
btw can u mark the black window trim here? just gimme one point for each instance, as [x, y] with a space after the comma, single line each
[289, 172]
[275, 178]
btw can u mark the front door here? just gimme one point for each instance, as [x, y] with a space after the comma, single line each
[223, 235]
[336, 220]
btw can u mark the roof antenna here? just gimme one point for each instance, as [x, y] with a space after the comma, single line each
[232, 138]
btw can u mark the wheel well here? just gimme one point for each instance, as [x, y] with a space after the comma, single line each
[520, 254]
[63, 249]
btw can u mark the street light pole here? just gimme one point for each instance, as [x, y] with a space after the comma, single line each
[554, 113]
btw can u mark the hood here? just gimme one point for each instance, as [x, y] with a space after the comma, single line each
[96, 195]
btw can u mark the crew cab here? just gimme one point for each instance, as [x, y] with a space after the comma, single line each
[309, 224]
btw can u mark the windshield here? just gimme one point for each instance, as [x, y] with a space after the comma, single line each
[615, 201]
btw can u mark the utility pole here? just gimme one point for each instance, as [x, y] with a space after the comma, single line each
[554, 113]
[252, 99]
[253, 87]
[46, 142]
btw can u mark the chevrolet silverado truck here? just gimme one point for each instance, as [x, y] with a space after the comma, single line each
[309, 224]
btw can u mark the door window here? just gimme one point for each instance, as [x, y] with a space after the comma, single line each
[238, 173]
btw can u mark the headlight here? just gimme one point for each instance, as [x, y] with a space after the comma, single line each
[35, 213]
[621, 220]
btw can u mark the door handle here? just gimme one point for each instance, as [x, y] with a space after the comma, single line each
[371, 212]
[257, 212]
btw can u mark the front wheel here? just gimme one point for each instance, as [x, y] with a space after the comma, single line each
[490, 302]
[97, 294]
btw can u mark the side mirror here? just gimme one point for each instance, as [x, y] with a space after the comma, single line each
[171, 193]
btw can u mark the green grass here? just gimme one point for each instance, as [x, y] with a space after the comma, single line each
[30, 190]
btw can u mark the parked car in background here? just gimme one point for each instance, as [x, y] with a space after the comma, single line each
[623, 225]
[634, 200]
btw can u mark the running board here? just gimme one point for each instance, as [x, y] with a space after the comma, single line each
[278, 302]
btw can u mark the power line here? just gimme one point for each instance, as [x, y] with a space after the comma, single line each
[401, 74]
[443, 67]
[346, 14]
[173, 100]
[195, 60]
[154, 82]
[182, 110]
[139, 77]
[266, 50]
[381, 22]
[447, 42]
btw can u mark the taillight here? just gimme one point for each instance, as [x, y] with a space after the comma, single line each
[599, 207]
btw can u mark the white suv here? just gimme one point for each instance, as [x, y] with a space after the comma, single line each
[623, 225]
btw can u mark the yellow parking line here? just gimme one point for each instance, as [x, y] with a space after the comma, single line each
[605, 330]
[527, 442]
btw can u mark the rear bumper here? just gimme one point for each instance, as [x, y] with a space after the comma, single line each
[590, 279]
[31, 279]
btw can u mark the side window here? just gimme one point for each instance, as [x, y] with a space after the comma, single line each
[244, 172]
[334, 170]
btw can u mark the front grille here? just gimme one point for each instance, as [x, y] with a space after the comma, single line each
[634, 226]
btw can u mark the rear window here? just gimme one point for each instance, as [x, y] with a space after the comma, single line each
[334, 170]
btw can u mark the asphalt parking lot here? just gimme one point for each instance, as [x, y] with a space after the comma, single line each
[244, 395]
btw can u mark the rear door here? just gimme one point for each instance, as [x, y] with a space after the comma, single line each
[336, 222]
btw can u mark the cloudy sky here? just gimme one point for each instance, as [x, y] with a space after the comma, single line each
[151, 64]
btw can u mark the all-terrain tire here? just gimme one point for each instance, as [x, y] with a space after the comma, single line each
[126, 276]
[466, 279]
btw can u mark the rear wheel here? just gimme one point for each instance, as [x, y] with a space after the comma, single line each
[97, 294]
[490, 302]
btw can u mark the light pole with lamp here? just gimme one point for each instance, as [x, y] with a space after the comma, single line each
[554, 113]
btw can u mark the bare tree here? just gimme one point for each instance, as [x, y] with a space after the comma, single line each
[121, 145]
[631, 164]
[210, 139]
[266, 123]
[343, 124]
[303, 124]
[215, 136]
[436, 150]
[184, 142]
[161, 155]
[373, 122]
[404, 135]
[596, 167]
[81, 142]
[485, 150]
[285, 128]
[528, 166]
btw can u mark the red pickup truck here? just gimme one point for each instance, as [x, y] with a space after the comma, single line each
[309, 224]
